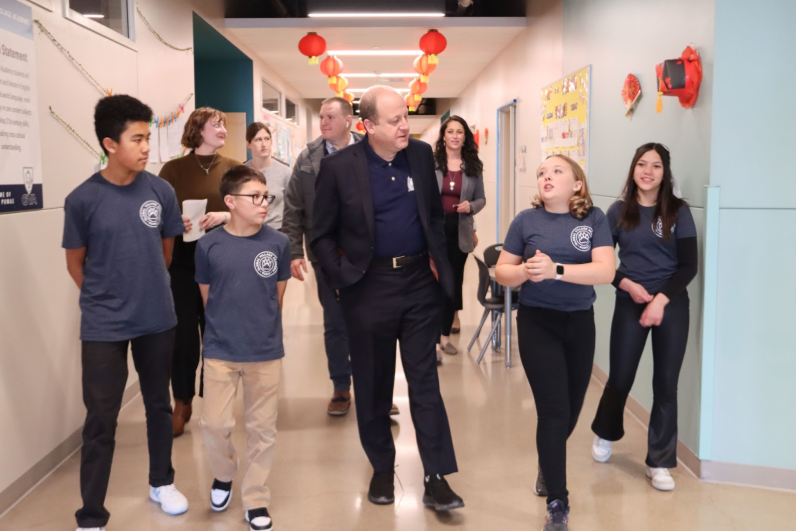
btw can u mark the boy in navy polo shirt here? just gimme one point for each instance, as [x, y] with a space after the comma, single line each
[119, 231]
[242, 271]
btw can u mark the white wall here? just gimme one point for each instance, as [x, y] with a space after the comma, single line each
[40, 383]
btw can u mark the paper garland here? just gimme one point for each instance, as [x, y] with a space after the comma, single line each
[103, 90]
[156, 34]
[60, 120]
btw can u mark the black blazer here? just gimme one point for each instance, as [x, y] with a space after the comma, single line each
[343, 226]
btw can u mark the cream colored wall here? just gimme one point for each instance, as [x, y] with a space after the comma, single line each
[530, 61]
[40, 382]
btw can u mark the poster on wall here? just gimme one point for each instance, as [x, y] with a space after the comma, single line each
[20, 157]
[565, 117]
[285, 138]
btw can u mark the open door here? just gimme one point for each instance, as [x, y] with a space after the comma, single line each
[235, 146]
[506, 209]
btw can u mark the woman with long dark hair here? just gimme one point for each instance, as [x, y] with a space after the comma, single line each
[557, 251]
[461, 185]
[658, 253]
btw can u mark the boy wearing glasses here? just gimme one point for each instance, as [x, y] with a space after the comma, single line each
[242, 270]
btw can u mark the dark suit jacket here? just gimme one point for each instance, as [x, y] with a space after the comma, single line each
[343, 214]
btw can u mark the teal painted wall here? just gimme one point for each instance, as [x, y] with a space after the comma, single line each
[753, 420]
[618, 37]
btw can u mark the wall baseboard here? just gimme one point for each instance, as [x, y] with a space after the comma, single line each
[20, 488]
[685, 455]
[757, 476]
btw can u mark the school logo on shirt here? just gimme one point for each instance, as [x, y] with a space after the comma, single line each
[581, 237]
[150, 213]
[657, 228]
[265, 264]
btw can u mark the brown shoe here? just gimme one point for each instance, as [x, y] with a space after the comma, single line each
[339, 404]
[178, 420]
[394, 410]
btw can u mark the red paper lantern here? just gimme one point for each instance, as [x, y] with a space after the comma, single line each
[339, 85]
[312, 45]
[360, 127]
[680, 77]
[331, 66]
[411, 103]
[433, 43]
[348, 97]
[424, 67]
[417, 87]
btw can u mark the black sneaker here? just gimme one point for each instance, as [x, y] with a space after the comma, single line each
[382, 488]
[557, 517]
[540, 489]
[439, 494]
[259, 519]
[220, 495]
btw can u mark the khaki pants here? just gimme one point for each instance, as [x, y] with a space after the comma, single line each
[260, 385]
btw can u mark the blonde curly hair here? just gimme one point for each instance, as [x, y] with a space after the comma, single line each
[580, 203]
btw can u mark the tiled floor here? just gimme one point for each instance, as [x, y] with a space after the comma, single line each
[320, 477]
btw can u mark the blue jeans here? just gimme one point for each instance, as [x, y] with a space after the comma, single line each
[334, 334]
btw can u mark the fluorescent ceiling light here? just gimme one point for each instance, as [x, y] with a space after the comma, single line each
[91, 15]
[364, 90]
[407, 74]
[373, 52]
[376, 15]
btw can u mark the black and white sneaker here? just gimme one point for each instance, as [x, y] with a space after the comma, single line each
[220, 495]
[382, 488]
[540, 488]
[557, 517]
[439, 495]
[259, 519]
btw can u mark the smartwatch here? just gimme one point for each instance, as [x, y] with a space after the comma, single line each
[559, 271]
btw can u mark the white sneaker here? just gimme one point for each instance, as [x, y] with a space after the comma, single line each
[601, 450]
[661, 478]
[170, 499]
[90, 529]
[259, 519]
[220, 495]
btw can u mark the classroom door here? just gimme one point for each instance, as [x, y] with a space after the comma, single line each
[235, 147]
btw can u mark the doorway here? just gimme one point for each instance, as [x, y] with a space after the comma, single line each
[506, 178]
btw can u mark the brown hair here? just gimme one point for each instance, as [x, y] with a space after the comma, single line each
[256, 127]
[346, 107]
[368, 103]
[580, 203]
[235, 177]
[192, 135]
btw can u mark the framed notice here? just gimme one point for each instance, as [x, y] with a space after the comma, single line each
[565, 117]
[20, 156]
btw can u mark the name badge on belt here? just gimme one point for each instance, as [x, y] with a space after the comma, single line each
[410, 184]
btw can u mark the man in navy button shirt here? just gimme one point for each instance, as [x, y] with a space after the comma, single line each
[379, 238]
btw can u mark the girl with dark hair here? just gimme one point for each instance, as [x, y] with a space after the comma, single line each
[461, 184]
[194, 176]
[658, 253]
[259, 140]
[557, 251]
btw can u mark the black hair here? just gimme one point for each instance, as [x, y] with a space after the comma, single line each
[471, 164]
[113, 114]
[234, 179]
[667, 203]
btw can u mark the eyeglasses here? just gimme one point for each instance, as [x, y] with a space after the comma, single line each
[257, 199]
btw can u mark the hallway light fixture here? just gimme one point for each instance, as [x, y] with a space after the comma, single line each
[376, 15]
[406, 74]
[373, 52]
[93, 15]
[364, 90]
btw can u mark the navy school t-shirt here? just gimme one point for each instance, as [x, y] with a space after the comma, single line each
[566, 240]
[644, 256]
[126, 287]
[243, 322]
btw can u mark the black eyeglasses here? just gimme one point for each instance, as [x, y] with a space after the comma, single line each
[257, 199]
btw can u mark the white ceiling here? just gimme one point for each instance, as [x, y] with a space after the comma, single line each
[472, 44]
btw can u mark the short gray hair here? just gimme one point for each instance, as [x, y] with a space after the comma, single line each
[368, 103]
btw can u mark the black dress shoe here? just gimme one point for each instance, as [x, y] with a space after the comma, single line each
[382, 488]
[439, 494]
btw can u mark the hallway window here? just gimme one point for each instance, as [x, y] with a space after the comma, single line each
[291, 112]
[113, 14]
[272, 99]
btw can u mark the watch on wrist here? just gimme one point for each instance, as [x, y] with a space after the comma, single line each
[559, 271]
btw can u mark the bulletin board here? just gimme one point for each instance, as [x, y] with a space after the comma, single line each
[565, 117]
[287, 138]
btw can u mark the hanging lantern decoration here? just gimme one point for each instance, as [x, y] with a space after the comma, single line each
[348, 97]
[417, 88]
[424, 67]
[312, 45]
[411, 103]
[331, 67]
[339, 86]
[680, 77]
[360, 127]
[433, 43]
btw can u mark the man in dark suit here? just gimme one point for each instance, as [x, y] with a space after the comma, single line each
[378, 235]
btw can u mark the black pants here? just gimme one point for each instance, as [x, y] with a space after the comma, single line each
[335, 337]
[457, 260]
[557, 352]
[104, 379]
[628, 338]
[190, 327]
[388, 306]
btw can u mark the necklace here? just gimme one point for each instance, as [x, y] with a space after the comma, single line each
[207, 170]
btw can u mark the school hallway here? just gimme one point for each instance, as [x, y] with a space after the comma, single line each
[320, 474]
